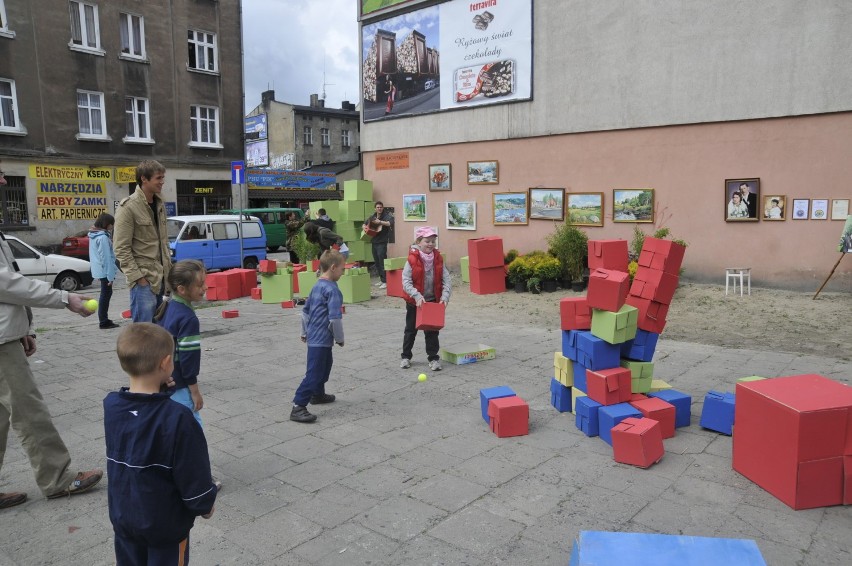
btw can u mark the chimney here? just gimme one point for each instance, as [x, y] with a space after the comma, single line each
[344, 105]
[314, 100]
[321, 102]
[266, 97]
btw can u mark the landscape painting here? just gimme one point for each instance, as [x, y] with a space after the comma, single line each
[461, 215]
[414, 208]
[510, 209]
[547, 204]
[585, 209]
[633, 205]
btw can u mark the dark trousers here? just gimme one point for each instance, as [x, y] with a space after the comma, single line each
[132, 552]
[103, 302]
[320, 360]
[432, 345]
[380, 254]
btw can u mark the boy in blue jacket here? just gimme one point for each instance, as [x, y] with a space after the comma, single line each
[102, 259]
[157, 461]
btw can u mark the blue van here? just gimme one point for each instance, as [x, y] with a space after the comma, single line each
[214, 239]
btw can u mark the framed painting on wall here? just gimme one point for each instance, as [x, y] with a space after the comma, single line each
[584, 209]
[801, 206]
[633, 205]
[483, 173]
[440, 177]
[414, 208]
[547, 204]
[774, 207]
[839, 208]
[510, 209]
[819, 209]
[461, 215]
[741, 198]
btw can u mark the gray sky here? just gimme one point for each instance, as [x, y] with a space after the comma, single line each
[285, 41]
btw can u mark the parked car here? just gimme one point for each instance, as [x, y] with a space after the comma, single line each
[430, 84]
[66, 273]
[215, 240]
[76, 245]
[274, 220]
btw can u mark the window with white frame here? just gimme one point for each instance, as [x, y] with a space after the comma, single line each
[326, 137]
[137, 119]
[85, 33]
[90, 114]
[4, 23]
[345, 140]
[202, 51]
[9, 121]
[309, 135]
[131, 30]
[204, 125]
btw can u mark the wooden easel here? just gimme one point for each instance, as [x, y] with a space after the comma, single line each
[830, 274]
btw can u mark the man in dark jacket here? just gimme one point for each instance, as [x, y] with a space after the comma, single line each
[382, 221]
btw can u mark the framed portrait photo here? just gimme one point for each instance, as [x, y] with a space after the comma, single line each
[440, 177]
[741, 200]
[839, 208]
[414, 208]
[801, 207]
[585, 209]
[547, 204]
[483, 173]
[461, 215]
[633, 205]
[774, 207]
[510, 209]
[819, 209]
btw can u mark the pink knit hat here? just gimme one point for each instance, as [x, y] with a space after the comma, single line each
[424, 232]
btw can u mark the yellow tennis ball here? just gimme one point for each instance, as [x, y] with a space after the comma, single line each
[91, 305]
[421, 377]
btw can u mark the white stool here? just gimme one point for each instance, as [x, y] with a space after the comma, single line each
[741, 273]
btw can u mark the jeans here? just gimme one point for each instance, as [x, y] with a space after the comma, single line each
[320, 360]
[184, 397]
[380, 254]
[432, 345]
[103, 303]
[143, 303]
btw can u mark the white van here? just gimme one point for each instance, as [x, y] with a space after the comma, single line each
[215, 240]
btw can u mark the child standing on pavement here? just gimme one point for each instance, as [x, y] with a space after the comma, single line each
[159, 469]
[425, 279]
[102, 259]
[322, 327]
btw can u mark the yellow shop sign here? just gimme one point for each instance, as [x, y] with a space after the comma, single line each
[67, 172]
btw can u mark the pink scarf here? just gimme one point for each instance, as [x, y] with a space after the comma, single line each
[428, 259]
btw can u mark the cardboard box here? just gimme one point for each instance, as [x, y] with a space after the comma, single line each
[659, 385]
[652, 315]
[357, 190]
[847, 480]
[560, 396]
[615, 327]
[792, 437]
[360, 251]
[330, 206]
[394, 283]
[569, 344]
[680, 401]
[288, 304]
[576, 394]
[485, 395]
[579, 376]
[464, 268]
[595, 353]
[586, 416]
[608, 254]
[430, 316]
[276, 288]
[226, 285]
[230, 313]
[355, 286]
[395, 263]
[561, 362]
[256, 293]
[485, 252]
[509, 416]
[663, 255]
[487, 281]
[575, 313]
[609, 386]
[637, 442]
[654, 284]
[607, 289]
[351, 211]
[563, 370]
[295, 269]
[126, 314]
[660, 411]
[611, 415]
[307, 280]
[641, 384]
[467, 354]
[349, 231]
[641, 347]
[638, 370]
[718, 412]
[268, 266]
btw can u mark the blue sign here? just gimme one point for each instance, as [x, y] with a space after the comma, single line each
[171, 208]
[238, 172]
[255, 127]
[284, 179]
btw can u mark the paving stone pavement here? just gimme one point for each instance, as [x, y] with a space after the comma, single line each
[402, 472]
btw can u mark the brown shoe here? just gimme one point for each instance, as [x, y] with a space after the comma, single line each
[83, 482]
[11, 499]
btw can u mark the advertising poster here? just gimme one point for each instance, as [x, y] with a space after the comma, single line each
[70, 200]
[281, 179]
[257, 153]
[255, 127]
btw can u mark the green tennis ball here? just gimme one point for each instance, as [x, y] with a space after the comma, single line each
[91, 305]
[421, 377]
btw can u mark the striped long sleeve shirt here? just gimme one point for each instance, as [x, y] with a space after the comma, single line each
[182, 323]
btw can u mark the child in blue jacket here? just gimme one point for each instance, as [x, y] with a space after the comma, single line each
[102, 260]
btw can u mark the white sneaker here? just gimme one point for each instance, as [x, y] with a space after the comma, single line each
[405, 363]
[377, 284]
[435, 365]
[383, 286]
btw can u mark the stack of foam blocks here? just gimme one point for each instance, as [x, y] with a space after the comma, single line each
[393, 276]
[349, 215]
[605, 364]
[486, 266]
[276, 282]
[355, 285]
[231, 284]
[505, 413]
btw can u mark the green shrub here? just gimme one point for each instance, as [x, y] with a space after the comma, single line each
[570, 246]
[510, 256]
[547, 269]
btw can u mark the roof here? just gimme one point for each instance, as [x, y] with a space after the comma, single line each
[317, 110]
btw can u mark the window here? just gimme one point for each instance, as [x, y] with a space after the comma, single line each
[132, 32]
[309, 163]
[225, 231]
[137, 119]
[204, 125]
[326, 137]
[309, 135]
[4, 23]
[344, 138]
[13, 202]
[9, 121]
[251, 230]
[85, 34]
[202, 51]
[91, 115]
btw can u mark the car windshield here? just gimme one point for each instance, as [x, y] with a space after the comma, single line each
[173, 228]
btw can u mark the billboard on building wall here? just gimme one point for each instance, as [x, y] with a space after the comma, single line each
[378, 7]
[282, 179]
[257, 153]
[255, 127]
[458, 54]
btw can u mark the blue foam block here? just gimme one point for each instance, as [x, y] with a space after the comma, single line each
[682, 404]
[486, 395]
[580, 376]
[586, 415]
[611, 415]
[595, 353]
[718, 412]
[560, 396]
[569, 344]
[640, 348]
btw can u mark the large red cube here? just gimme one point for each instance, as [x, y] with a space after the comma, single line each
[791, 437]
[609, 386]
[654, 284]
[268, 266]
[509, 416]
[225, 285]
[637, 442]
[575, 313]
[652, 314]
[485, 252]
[608, 254]
[664, 255]
[394, 282]
[660, 411]
[248, 280]
[297, 268]
[607, 289]
[430, 316]
[487, 281]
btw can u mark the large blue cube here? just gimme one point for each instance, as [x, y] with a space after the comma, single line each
[586, 415]
[486, 395]
[560, 396]
[642, 347]
[718, 412]
[682, 404]
[580, 376]
[595, 353]
[611, 415]
[569, 344]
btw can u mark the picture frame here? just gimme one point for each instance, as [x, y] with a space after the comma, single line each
[801, 208]
[461, 215]
[633, 205]
[483, 173]
[774, 207]
[510, 209]
[745, 209]
[441, 177]
[414, 208]
[585, 209]
[839, 208]
[819, 209]
[547, 204]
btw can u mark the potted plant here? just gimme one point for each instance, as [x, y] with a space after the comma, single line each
[304, 249]
[534, 285]
[510, 256]
[519, 273]
[548, 271]
[570, 246]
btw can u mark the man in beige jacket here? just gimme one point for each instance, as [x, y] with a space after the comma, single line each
[141, 241]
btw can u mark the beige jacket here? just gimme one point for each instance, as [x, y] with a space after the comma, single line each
[142, 250]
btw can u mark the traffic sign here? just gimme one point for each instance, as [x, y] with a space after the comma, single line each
[238, 172]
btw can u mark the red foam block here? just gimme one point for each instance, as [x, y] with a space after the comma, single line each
[575, 313]
[609, 386]
[608, 254]
[509, 416]
[230, 313]
[637, 442]
[660, 411]
[485, 252]
[607, 289]
[430, 316]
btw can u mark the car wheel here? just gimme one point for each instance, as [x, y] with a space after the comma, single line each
[68, 281]
[250, 263]
[273, 248]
